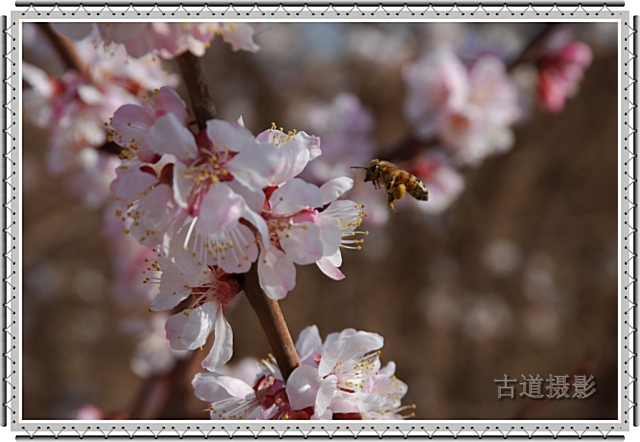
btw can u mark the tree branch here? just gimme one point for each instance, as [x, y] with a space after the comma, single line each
[195, 80]
[534, 49]
[268, 310]
[272, 322]
[65, 48]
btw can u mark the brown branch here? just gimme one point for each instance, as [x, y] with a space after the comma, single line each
[272, 322]
[195, 80]
[268, 310]
[64, 47]
[535, 47]
[409, 148]
[180, 390]
[142, 399]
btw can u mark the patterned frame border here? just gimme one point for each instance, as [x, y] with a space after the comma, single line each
[314, 10]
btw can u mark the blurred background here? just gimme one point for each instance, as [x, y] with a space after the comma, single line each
[516, 276]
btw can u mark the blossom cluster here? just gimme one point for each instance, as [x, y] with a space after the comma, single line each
[560, 71]
[167, 39]
[469, 110]
[214, 203]
[74, 107]
[340, 378]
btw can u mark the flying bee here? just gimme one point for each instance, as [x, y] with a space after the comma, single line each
[396, 180]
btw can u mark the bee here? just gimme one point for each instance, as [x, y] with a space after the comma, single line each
[397, 181]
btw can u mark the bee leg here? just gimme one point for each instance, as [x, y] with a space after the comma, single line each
[396, 192]
[391, 201]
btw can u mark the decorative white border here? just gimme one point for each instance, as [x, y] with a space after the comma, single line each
[312, 11]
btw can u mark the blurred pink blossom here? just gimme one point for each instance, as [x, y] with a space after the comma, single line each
[345, 127]
[75, 108]
[153, 355]
[469, 110]
[560, 72]
[167, 39]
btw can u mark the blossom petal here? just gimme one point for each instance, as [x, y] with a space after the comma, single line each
[234, 137]
[236, 387]
[309, 341]
[325, 394]
[330, 234]
[293, 196]
[189, 329]
[255, 167]
[238, 259]
[361, 343]
[302, 387]
[131, 123]
[131, 183]
[207, 388]
[295, 159]
[276, 273]
[330, 357]
[254, 198]
[325, 265]
[168, 101]
[221, 208]
[334, 188]
[158, 210]
[182, 185]
[222, 349]
[302, 243]
[172, 290]
[169, 135]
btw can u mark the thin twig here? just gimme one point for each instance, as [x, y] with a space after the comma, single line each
[535, 47]
[272, 322]
[142, 399]
[195, 80]
[65, 48]
[180, 390]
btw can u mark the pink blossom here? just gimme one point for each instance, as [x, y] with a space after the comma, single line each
[131, 262]
[352, 382]
[153, 355]
[91, 182]
[306, 225]
[88, 412]
[131, 123]
[340, 378]
[210, 291]
[212, 182]
[167, 39]
[345, 128]
[295, 237]
[469, 110]
[435, 82]
[296, 148]
[266, 398]
[77, 105]
[560, 71]
[144, 196]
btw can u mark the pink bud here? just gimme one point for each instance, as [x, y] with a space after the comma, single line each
[577, 52]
